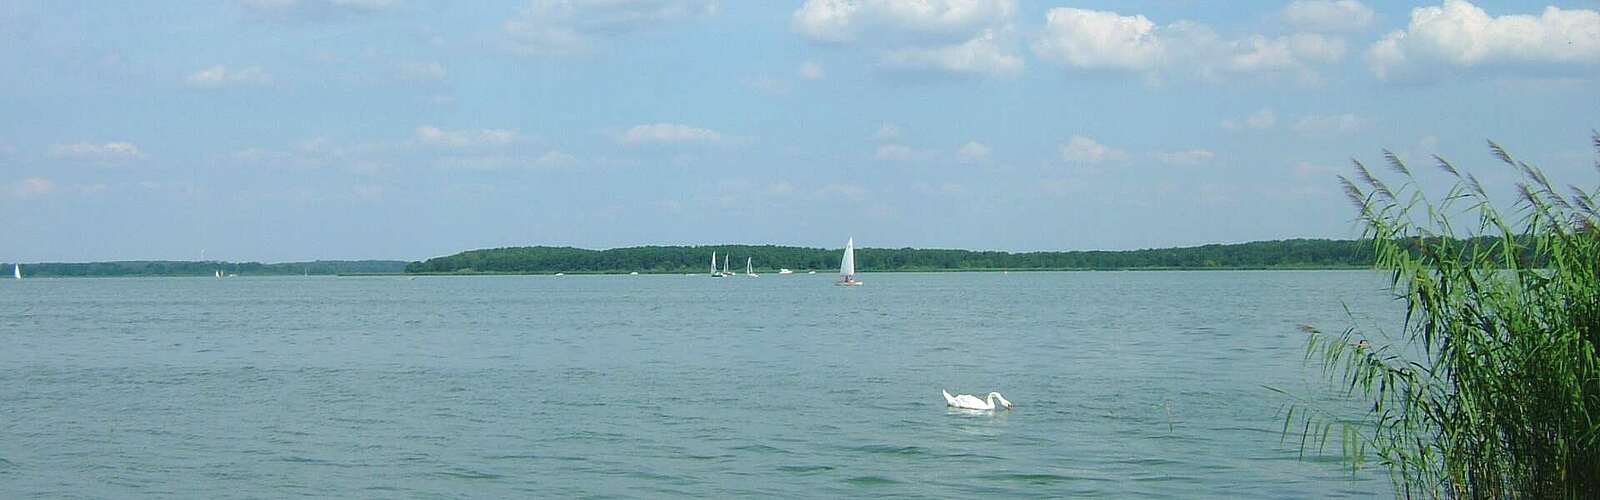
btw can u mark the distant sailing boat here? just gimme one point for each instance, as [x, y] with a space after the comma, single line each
[16, 271]
[748, 271]
[847, 265]
[714, 272]
[219, 274]
[725, 260]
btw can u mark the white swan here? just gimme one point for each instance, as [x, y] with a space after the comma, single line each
[970, 402]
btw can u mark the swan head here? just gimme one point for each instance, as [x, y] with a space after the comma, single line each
[1002, 399]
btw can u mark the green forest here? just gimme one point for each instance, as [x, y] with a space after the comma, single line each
[205, 268]
[1297, 253]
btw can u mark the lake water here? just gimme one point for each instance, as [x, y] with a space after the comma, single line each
[1126, 384]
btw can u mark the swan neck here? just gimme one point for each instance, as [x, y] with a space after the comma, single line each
[1003, 402]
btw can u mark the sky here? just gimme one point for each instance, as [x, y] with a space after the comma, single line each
[280, 130]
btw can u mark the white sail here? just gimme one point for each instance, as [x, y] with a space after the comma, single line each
[847, 265]
[713, 263]
[16, 271]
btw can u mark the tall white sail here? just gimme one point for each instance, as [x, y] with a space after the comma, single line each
[847, 266]
[713, 263]
[16, 271]
[747, 268]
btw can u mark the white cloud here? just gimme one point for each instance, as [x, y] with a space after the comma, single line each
[221, 76]
[973, 152]
[33, 187]
[278, 5]
[850, 192]
[435, 136]
[888, 132]
[110, 152]
[567, 27]
[550, 159]
[429, 71]
[1328, 15]
[811, 70]
[669, 133]
[1308, 169]
[1259, 120]
[1328, 124]
[1080, 149]
[979, 56]
[1459, 35]
[845, 20]
[1090, 40]
[364, 4]
[961, 37]
[478, 162]
[1190, 157]
[944, 189]
[1288, 53]
[894, 152]
[315, 153]
[808, 70]
[555, 159]
[286, 10]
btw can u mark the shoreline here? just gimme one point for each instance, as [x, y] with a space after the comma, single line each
[830, 272]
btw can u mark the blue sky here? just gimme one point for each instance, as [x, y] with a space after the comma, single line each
[298, 129]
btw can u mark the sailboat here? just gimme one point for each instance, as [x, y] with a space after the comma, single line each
[749, 271]
[847, 265]
[725, 260]
[714, 272]
[219, 274]
[16, 271]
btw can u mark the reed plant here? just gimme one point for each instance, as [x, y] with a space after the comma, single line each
[1492, 387]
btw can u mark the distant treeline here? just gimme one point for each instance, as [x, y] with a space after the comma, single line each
[1298, 253]
[192, 268]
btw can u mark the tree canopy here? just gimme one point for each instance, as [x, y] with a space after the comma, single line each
[1297, 253]
[205, 268]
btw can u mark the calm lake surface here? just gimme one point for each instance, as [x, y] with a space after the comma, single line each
[1142, 384]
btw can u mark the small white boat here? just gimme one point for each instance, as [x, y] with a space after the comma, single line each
[749, 271]
[16, 271]
[847, 265]
[714, 272]
[635, 273]
[725, 260]
[561, 274]
[219, 274]
[784, 271]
